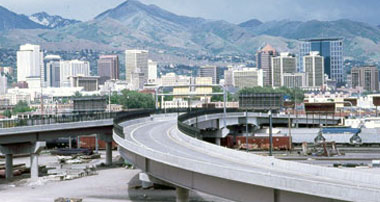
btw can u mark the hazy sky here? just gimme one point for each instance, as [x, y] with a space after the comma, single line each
[235, 11]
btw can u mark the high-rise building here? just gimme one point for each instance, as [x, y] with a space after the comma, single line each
[365, 77]
[284, 63]
[3, 84]
[314, 69]
[228, 77]
[294, 80]
[248, 77]
[108, 68]
[209, 71]
[264, 62]
[136, 61]
[331, 49]
[73, 68]
[152, 71]
[29, 62]
[52, 71]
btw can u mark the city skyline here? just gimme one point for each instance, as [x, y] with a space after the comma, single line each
[210, 9]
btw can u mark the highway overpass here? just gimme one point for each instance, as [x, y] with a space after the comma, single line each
[169, 152]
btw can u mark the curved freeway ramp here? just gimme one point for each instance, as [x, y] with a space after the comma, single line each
[155, 145]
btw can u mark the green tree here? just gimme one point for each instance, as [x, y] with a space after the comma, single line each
[7, 113]
[134, 100]
[21, 107]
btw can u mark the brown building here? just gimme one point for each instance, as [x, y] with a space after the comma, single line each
[108, 68]
[89, 83]
[264, 62]
[366, 78]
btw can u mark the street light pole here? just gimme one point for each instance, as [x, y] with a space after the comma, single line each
[246, 128]
[270, 133]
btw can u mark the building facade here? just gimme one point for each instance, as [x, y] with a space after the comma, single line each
[73, 68]
[264, 62]
[152, 71]
[209, 71]
[136, 61]
[89, 83]
[248, 77]
[331, 49]
[314, 69]
[3, 84]
[365, 77]
[29, 62]
[284, 63]
[52, 71]
[108, 68]
[294, 80]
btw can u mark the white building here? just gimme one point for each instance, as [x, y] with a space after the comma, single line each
[294, 80]
[248, 77]
[171, 79]
[73, 68]
[284, 63]
[136, 61]
[209, 71]
[3, 84]
[29, 62]
[152, 71]
[314, 69]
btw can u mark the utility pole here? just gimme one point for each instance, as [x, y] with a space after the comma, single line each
[246, 128]
[270, 133]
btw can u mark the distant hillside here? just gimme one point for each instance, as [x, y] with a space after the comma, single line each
[10, 20]
[133, 24]
[51, 21]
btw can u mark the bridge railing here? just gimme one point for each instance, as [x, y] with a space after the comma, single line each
[56, 119]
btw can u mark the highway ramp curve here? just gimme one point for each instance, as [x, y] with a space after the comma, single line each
[156, 146]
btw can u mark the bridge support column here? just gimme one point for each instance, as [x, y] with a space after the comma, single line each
[218, 141]
[8, 166]
[34, 167]
[182, 194]
[108, 153]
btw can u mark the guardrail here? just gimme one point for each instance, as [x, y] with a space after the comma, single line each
[56, 119]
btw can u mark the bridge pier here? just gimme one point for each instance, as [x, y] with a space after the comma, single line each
[8, 166]
[32, 148]
[218, 141]
[108, 153]
[182, 194]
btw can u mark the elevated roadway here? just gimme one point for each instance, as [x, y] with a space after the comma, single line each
[157, 146]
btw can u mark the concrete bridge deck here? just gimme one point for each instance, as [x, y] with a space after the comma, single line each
[161, 150]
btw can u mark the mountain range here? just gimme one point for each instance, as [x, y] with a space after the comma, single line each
[133, 24]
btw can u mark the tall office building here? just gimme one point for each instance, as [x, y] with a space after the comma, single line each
[264, 62]
[108, 68]
[209, 71]
[228, 77]
[3, 84]
[248, 77]
[152, 71]
[365, 77]
[136, 62]
[314, 69]
[29, 62]
[331, 49]
[284, 63]
[294, 80]
[52, 71]
[73, 68]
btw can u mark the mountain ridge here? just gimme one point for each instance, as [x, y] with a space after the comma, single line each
[51, 21]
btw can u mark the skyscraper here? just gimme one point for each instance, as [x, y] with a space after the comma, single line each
[284, 63]
[108, 68]
[29, 62]
[264, 62]
[152, 71]
[331, 49]
[365, 77]
[52, 71]
[73, 68]
[314, 69]
[209, 71]
[136, 62]
[3, 84]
